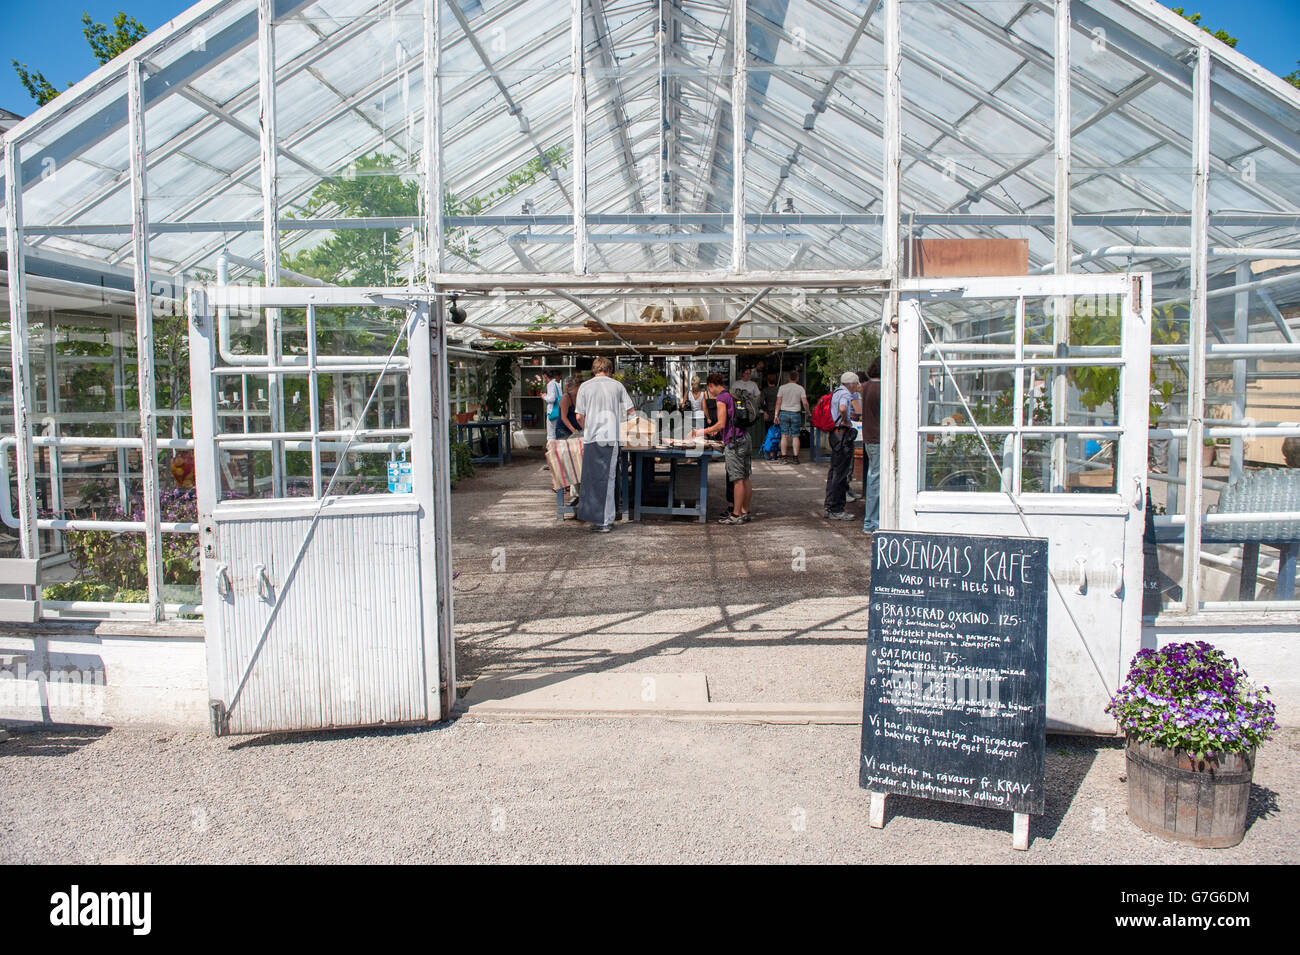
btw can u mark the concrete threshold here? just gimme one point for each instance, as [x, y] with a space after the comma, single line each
[623, 695]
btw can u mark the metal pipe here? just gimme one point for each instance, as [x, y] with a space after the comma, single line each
[739, 91]
[101, 606]
[656, 238]
[144, 339]
[305, 369]
[831, 334]
[578, 79]
[1061, 141]
[1200, 319]
[1172, 251]
[432, 154]
[286, 273]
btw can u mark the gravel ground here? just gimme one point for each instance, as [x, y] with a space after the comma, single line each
[564, 791]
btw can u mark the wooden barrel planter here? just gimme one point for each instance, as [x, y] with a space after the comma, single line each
[1198, 802]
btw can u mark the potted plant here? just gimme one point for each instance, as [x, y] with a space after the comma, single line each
[644, 383]
[1193, 719]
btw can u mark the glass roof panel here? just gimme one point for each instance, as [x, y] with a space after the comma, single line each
[977, 130]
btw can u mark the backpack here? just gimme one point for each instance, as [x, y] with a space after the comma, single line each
[744, 411]
[772, 443]
[821, 416]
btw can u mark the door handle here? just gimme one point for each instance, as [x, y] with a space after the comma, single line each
[1138, 496]
[223, 581]
[1082, 563]
[1119, 577]
[265, 589]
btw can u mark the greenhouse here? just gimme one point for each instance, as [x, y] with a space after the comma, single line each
[281, 249]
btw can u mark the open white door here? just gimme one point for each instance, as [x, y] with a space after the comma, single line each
[1023, 412]
[326, 589]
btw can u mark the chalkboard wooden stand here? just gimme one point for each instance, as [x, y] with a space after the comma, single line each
[955, 688]
[1019, 821]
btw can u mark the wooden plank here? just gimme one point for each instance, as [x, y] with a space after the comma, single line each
[1020, 831]
[969, 258]
[691, 329]
[877, 811]
[16, 570]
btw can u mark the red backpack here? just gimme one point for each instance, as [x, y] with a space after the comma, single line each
[821, 416]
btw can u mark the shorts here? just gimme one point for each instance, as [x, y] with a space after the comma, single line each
[791, 423]
[739, 458]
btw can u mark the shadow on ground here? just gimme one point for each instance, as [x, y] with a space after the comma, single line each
[43, 740]
[1068, 760]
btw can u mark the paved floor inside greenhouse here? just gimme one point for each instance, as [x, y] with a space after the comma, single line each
[771, 612]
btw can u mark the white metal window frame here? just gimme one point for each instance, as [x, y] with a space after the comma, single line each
[1124, 287]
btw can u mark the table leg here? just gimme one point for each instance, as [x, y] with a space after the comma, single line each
[1286, 561]
[1249, 571]
[505, 441]
[704, 488]
[628, 465]
[637, 467]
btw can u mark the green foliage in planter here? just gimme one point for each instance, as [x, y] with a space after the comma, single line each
[643, 380]
[90, 591]
[462, 461]
[117, 562]
[1191, 696]
[500, 386]
[1099, 385]
[965, 454]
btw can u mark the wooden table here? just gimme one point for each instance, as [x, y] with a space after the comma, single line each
[677, 458]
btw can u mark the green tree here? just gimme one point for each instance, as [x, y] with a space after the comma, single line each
[105, 43]
[34, 81]
[1294, 77]
[852, 352]
[1217, 34]
[373, 186]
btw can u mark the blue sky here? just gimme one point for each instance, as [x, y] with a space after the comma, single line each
[46, 35]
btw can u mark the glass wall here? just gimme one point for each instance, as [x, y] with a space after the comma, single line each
[1252, 372]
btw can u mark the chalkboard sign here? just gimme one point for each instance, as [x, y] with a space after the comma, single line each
[954, 706]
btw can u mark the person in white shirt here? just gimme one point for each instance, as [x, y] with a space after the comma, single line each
[554, 392]
[603, 404]
[791, 406]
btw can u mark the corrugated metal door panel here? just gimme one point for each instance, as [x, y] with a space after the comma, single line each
[346, 647]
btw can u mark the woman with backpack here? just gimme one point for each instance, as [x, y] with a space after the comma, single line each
[738, 451]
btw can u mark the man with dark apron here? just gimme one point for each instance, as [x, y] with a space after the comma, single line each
[603, 404]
